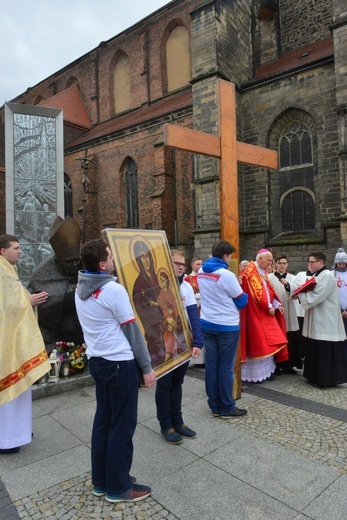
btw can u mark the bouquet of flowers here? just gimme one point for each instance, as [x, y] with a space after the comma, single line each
[75, 353]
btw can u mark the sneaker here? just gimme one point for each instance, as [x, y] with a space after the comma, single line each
[185, 431]
[171, 436]
[7, 451]
[98, 492]
[134, 494]
[216, 414]
[235, 413]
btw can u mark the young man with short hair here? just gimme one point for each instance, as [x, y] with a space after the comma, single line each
[281, 280]
[325, 363]
[115, 349]
[192, 278]
[221, 299]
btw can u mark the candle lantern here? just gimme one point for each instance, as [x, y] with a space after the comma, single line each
[55, 367]
[65, 370]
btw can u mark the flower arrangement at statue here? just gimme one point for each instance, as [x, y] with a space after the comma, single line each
[75, 353]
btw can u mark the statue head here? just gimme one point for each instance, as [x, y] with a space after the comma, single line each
[65, 239]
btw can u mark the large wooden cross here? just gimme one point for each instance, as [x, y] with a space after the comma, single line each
[230, 151]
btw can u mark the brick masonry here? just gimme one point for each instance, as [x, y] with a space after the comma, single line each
[179, 192]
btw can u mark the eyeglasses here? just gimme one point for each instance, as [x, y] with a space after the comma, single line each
[313, 261]
[179, 264]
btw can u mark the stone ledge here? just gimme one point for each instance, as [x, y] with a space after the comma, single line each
[63, 385]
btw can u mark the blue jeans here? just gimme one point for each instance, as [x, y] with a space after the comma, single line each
[116, 387]
[168, 398]
[220, 354]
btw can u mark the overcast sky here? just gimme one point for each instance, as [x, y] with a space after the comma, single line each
[40, 37]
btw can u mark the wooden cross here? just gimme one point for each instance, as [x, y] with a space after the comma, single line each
[230, 151]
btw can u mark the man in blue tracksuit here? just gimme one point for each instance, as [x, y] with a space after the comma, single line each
[221, 299]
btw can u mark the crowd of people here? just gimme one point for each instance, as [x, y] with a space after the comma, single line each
[308, 331]
[284, 322]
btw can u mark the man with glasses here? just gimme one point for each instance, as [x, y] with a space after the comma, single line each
[281, 280]
[325, 363]
[168, 395]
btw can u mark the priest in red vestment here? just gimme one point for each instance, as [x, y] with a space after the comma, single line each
[263, 329]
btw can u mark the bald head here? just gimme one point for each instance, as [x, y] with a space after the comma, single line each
[264, 260]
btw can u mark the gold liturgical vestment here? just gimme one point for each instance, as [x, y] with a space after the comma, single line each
[23, 357]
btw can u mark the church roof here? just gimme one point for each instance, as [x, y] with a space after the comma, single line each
[160, 108]
[71, 102]
[302, 57]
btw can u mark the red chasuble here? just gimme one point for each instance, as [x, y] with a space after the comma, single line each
[193, 280]
[262, 335]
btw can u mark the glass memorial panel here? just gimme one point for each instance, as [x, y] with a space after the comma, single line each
[34, 180]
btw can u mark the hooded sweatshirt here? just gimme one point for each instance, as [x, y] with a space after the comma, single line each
[108, 321]
[221, 297]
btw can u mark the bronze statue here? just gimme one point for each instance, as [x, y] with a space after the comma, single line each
[57, 275]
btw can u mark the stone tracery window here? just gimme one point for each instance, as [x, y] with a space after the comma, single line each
[295, 146]
[298, 211]
[296, 165]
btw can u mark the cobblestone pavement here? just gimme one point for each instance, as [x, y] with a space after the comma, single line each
[288, 413]
[73, 500]
[315, 436]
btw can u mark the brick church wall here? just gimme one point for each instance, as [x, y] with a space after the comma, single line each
[222, 46]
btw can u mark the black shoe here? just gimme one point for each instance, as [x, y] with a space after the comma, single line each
[9, 450]
[290, 371]
[270, 378]
[278, 372]
[238, 412]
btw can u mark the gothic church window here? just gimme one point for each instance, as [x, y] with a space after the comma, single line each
[295, 146]
[122, 84]
[131, 190]
[296, 171]
[177, 58]
[67, 196]
[39, 100]
[71, 81]
[298, 211]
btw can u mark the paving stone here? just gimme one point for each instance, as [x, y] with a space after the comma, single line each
[294, 418]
